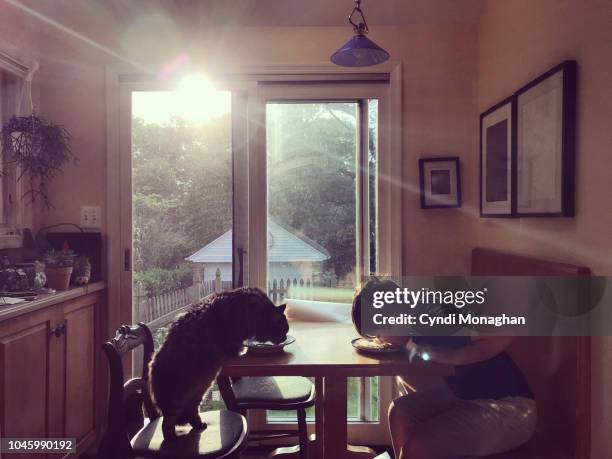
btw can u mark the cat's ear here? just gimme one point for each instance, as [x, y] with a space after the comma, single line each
[281, 308]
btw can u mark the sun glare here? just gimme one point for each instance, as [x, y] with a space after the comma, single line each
[195, 100]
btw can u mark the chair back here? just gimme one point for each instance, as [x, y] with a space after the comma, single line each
[555, 366]
[224, 383]
[126, 400]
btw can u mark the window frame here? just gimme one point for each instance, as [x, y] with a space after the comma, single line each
[249, 80]
[11, 231]
[388, 196]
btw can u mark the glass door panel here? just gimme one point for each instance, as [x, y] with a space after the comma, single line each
[182, 202]
[321, 212]
[311, 163]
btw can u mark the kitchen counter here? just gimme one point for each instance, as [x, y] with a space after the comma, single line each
[46, 300]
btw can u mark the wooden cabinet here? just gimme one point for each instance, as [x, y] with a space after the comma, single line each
[79, 370]
[48, 367]
[29, 375]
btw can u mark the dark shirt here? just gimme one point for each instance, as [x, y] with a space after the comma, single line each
[495, 378]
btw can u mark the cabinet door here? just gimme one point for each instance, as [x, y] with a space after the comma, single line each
[30, 376]
[80, 356]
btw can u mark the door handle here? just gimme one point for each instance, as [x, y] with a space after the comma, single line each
[59, 330]
[127, 260]
[241, 253]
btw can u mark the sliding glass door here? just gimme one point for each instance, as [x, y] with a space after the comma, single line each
[182, 225]
[276, 185]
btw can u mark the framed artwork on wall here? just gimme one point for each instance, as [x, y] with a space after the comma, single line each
[440, 182]
[496, 149]
[545, 134]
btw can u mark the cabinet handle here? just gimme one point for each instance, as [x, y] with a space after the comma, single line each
[59, 330]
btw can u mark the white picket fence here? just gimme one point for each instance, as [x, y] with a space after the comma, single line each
[279, 289]
[157, 311]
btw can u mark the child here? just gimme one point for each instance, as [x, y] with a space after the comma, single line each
[486, 407]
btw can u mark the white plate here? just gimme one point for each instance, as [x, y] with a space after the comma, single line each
[257, 347]
[371, 346]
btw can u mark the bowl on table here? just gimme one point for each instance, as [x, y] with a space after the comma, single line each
[374, 346]
[255, 347]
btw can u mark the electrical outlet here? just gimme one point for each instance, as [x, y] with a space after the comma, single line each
[90, 217]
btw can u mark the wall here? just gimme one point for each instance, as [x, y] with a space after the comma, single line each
[518, 40]
[439, 106]
[439, 101]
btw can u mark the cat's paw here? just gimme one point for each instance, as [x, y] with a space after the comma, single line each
[170, 435]
[198, 425]
[169, 431]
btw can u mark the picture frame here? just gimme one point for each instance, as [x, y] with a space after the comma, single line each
[545, 120]
[496, 158]
[440, 182]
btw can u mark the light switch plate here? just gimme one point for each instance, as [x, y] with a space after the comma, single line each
[90, 217]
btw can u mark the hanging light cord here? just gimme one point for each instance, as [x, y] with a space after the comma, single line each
[361, 27]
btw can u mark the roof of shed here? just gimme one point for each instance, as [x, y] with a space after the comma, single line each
[285, 244]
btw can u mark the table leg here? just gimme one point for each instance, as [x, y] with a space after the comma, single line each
[315, 446]
[331, 425]
[335, 424]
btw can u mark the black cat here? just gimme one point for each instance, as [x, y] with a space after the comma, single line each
[198, 344]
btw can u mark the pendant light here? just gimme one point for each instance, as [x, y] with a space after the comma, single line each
[359, 51]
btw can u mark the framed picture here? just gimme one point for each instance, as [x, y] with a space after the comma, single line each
[496, 148]
[440, 182]
[545, 132]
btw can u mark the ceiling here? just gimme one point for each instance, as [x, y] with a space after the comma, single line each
[257, 13]
[328, 12]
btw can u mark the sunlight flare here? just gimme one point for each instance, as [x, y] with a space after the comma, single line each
[195, 100]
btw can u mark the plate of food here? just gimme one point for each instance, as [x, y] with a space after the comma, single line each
[267, 347]
[375, 346]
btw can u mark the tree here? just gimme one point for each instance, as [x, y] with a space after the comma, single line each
[182, 183]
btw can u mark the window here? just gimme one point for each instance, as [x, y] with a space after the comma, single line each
[321, 162]
[319, 128]
[11, 203]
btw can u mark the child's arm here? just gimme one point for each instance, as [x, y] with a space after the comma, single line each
[480, 349]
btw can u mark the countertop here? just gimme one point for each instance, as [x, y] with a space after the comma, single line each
[49, 299]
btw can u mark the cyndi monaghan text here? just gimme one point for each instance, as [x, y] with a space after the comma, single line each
[452, 319]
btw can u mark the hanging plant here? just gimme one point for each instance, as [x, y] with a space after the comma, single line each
[41, 149]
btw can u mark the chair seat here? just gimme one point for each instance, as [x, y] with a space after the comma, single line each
[273, 389]
[225, 434]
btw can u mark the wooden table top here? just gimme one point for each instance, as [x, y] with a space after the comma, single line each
[324, 349]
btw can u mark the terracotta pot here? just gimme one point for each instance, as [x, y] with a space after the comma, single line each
[58, 278]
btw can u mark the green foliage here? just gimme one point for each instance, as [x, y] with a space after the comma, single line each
[182, 189]
[182, 182]
[159, 281]
[40, 148]
[311, 185]
[58, 258]
[159, 336]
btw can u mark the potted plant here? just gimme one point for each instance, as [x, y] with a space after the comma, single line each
[40, 148]
[58, 268]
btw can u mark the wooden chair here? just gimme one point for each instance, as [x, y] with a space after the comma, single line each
[277, 393]
[129, 434]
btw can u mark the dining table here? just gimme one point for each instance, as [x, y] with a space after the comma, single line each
[324, 350]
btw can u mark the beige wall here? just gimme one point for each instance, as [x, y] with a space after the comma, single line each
[439, 103]
[517, 40]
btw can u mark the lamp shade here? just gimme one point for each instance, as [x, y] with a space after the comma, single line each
[359, 51]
